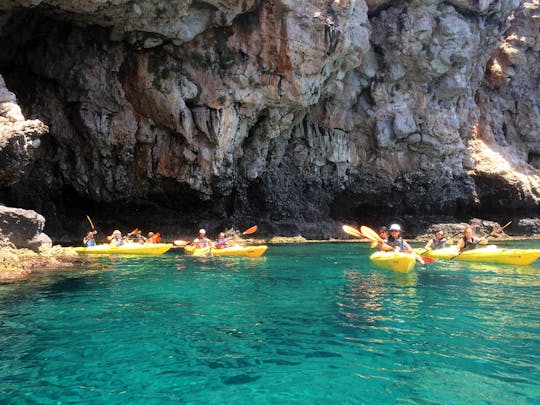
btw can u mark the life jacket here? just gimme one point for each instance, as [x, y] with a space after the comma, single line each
[89, 242]
[396, 243]
[118, 241]
[221, 243]
[202, 243]
[438, 243]
[469, 244]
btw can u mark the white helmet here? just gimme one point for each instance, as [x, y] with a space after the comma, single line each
[395, 227]
[203, 231]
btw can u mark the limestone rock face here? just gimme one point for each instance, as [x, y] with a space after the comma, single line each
[505, 140]
[298, 114]
[23, 228]
[19, 138]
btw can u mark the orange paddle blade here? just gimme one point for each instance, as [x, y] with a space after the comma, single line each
[352, 231]
[428, 259]
[370, 234]
[251, 230]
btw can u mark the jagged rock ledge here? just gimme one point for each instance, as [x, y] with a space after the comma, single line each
[24, 247]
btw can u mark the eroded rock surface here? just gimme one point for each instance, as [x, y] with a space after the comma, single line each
[23, 228]
[298, 114]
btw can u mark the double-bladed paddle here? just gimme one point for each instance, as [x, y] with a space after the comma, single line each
[485, 238]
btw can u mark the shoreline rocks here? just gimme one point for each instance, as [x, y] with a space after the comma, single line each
[20, 263]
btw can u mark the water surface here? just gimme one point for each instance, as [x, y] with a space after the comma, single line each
[314, 323]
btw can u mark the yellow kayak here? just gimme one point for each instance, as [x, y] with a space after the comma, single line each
[251, 251]
[488, 254]
[396, 261]
[126, 249]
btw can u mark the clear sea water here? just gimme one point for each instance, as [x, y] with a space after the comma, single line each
[307, 324]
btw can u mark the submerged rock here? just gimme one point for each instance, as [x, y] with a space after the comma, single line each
[20, 263]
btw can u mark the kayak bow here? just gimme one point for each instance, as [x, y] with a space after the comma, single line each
[396, 261]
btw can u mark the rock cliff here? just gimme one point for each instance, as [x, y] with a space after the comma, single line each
[293, 114]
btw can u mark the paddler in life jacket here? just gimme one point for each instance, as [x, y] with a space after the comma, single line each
[202, 241]
[89, 239]
[438, 242]
[116, 238]
[154, 237]
[468, 241]
[383, 234]
[136, 236]
[396, 241]
[222, 241]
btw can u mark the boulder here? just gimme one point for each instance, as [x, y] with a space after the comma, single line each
[23, 228]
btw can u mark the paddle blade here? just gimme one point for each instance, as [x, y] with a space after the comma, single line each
[373, 244]
[428, 259]
[352, 231]
[181, 243]
[370, 234]
[251, 230]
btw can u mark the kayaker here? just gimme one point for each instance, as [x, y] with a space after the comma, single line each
[202, 241]
[468, 241]
[136, 236]
[154, 237]
[396, 241]
[383, 234]
[89, 239]
[116, 238]
[222, 241]
[438, 242]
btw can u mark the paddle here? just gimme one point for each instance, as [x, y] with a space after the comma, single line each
[251, 230]
[372, 235]
[91, 223]
[92, 227]
[352, 231]
[499, 230]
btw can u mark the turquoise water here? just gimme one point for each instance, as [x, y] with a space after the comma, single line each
[311, 324]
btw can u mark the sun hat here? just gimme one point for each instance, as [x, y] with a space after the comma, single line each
[395, 227]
